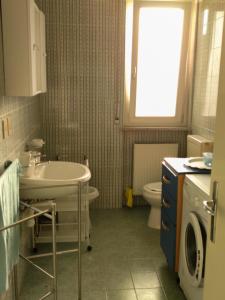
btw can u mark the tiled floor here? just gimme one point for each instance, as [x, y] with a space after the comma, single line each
[126, 263]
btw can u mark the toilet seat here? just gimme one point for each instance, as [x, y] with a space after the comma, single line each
[153, 188]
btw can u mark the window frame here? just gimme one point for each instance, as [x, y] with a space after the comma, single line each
[181, 117]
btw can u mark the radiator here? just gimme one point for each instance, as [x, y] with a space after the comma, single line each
[147, 163]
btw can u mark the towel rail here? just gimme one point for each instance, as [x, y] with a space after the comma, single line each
[50, 253]
[34, 209]
[23, 220]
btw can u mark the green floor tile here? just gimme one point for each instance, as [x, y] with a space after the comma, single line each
[174, 293]
[118, 281]
[141, 265]
[115, 265]
[145, 280]
[121, 295]
[150, 294]
[93, 281]
[94, 295]
[167, 277]
[126, 255]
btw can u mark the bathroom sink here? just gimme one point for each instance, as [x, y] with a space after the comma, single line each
[51, 180]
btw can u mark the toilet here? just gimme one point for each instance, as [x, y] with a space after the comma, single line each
[69, 203]
[92, 194]
[152, 194]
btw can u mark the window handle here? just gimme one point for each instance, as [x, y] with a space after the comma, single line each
[134, 73]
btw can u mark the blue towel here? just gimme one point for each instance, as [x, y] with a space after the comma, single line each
[9, 213]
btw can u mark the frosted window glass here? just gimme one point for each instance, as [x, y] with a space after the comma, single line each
[158, 62]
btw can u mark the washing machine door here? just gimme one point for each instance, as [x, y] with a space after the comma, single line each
[194, 250]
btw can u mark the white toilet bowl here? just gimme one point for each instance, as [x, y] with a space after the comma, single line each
[93, 193]
[70, 202]
[152, 194]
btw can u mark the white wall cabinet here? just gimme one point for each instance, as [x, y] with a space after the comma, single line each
[24, 48]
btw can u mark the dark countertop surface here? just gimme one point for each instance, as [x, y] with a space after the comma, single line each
[177, 165]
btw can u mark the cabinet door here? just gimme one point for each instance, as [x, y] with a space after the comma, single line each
[169, 207]
[169, 182]
[43, 52]
[168, 239]
[24, 64]
[35, 48]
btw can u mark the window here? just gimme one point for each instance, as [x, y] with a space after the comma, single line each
[157, 95]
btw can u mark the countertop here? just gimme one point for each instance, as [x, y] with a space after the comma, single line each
[177, 165]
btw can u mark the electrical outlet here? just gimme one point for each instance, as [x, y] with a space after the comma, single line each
[4, 128]
[1, 131]
[9, 126]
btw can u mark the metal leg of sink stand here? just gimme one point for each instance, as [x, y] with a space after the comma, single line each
[79, 242]
[15, 283]
[54, 251]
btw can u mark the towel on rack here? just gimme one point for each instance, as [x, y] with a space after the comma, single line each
[9, 213]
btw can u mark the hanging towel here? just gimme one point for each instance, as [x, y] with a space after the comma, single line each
[9, 213]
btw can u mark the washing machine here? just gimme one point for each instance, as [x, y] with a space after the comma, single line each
[195, 221]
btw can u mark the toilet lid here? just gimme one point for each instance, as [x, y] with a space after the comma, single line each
[153, 187]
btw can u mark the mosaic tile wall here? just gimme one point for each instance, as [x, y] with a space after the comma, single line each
[85, 84]
[210, 30]
[85, 58]
[24, 116]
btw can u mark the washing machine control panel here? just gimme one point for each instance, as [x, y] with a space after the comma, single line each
[197, 202]
[194, 198]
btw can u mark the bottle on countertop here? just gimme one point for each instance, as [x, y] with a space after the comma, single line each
[86, 162]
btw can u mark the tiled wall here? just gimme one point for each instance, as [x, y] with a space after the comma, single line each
[85, 58]
[24, 115]
[210, 30]
[84, 53]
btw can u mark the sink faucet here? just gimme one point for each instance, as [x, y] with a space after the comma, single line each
[42, 163]
[37, 156]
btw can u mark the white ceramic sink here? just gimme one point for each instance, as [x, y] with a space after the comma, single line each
[58, 174]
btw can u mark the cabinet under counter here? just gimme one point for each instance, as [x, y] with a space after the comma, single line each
[173, 173]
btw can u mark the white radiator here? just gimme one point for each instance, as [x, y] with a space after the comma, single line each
[147, 163]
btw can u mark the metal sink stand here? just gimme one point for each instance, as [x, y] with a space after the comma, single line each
[52, 276]
[78, 184]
